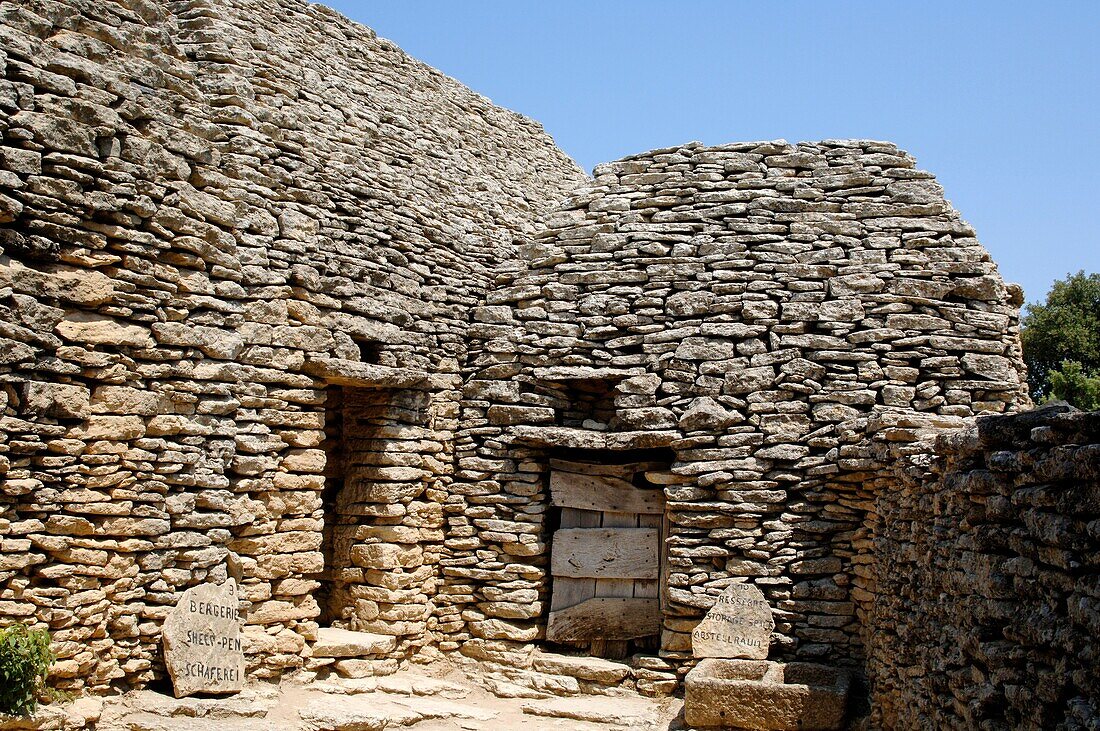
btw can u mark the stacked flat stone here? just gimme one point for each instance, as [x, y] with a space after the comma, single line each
[200, 201]
[281, 304]
[988, 614]
[769, 311]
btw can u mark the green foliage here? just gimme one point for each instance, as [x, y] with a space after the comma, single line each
[25, 660]
[1073, 384]
[1065, 328]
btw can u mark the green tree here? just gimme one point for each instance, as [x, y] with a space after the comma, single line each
[1061, 340]
[1071, 383]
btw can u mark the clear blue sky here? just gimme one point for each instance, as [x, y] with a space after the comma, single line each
[1001, 100]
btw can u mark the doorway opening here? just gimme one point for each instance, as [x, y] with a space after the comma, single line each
[356, 499]
[607, 564]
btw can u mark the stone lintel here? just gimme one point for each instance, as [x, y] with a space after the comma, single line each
[586, 373]
[341, 372]
[574, 438]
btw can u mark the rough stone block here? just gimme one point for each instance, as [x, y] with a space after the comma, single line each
[58, 400]
[335, 642]
[751, 694]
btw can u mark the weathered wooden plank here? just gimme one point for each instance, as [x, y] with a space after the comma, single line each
[662, 549]
[603, 493]
[621, 588]
[580, 518]
[617, 587]
[605, 553]
[566, 591]
[612, 519]
[605, 619]
[648, 588]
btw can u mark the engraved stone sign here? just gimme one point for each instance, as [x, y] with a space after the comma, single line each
[739, 624]
[202, 641]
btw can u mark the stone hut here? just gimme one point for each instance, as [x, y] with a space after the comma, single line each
[282, 304]
[732, 331]
[241, 245]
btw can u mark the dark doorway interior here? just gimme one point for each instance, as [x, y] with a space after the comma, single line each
[355, 498]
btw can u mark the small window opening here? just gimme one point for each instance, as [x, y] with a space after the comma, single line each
[370, 351]
[590, 403]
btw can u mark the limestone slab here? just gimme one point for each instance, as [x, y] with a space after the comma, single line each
[588, 668]
[739, 624]
[596, 709]
[202, 643]
[336, 642]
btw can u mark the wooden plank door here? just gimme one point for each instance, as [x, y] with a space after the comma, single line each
[606, 558]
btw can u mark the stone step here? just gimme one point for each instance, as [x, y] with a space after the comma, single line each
[627, 712]
[147, 710]
[368, 713]
[335, 642]
[504, 689]
[141, 721]
[542, 682]
[595, 669]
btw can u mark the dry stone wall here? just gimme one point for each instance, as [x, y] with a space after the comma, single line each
[214, 214]
[282, 305]
[764, 314]
[988, 611]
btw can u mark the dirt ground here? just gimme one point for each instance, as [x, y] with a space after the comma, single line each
[436, 697]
